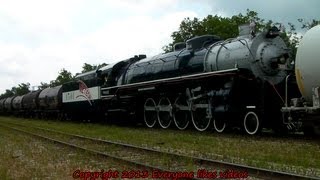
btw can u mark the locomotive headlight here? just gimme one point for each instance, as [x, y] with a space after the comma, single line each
[282, 60]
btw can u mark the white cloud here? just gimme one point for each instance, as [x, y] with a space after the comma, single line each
[138, 34]
[42, 37]
[38, 38]
[39, 14]
[142, 6]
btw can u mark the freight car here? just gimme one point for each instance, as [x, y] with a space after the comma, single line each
[17, 105]
[2, 108]
[50, 103]
[306, 108]
[8, 104]
[30, 104]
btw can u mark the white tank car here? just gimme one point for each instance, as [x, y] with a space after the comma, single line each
[304, 112]
[307, 65]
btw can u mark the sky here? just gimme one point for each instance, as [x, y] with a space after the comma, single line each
[40, 37]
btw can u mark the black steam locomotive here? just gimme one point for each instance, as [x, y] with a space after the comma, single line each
[205, 82]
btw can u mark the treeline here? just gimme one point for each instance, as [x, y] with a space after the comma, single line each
[225, 27]
[63, 77]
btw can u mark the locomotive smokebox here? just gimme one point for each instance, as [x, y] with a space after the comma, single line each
[267, 58]
[307, 64]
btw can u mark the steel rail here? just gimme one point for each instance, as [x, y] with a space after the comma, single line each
[252, 171]
[135, 163]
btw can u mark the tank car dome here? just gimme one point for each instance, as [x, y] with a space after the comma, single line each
[307, 64]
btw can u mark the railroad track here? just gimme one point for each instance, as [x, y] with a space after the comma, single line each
[152, 159]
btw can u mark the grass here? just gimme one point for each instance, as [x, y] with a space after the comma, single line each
[268, 152]
[25, 157]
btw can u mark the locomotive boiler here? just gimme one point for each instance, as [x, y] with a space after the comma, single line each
[265, 55]
[233, 82]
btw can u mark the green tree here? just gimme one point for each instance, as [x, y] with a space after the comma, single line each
[227, 27]
[63, 77]
[43, 85]
[291, 36]
[224, 27]
[102, 65]
[308, 24]
[21, 89]
[8, 93]
[89, 67]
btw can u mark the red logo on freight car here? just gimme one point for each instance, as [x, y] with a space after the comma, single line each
[85, 92]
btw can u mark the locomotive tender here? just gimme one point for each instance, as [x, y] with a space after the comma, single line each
[243, 82]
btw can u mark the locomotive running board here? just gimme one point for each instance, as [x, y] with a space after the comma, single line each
[167, 80]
